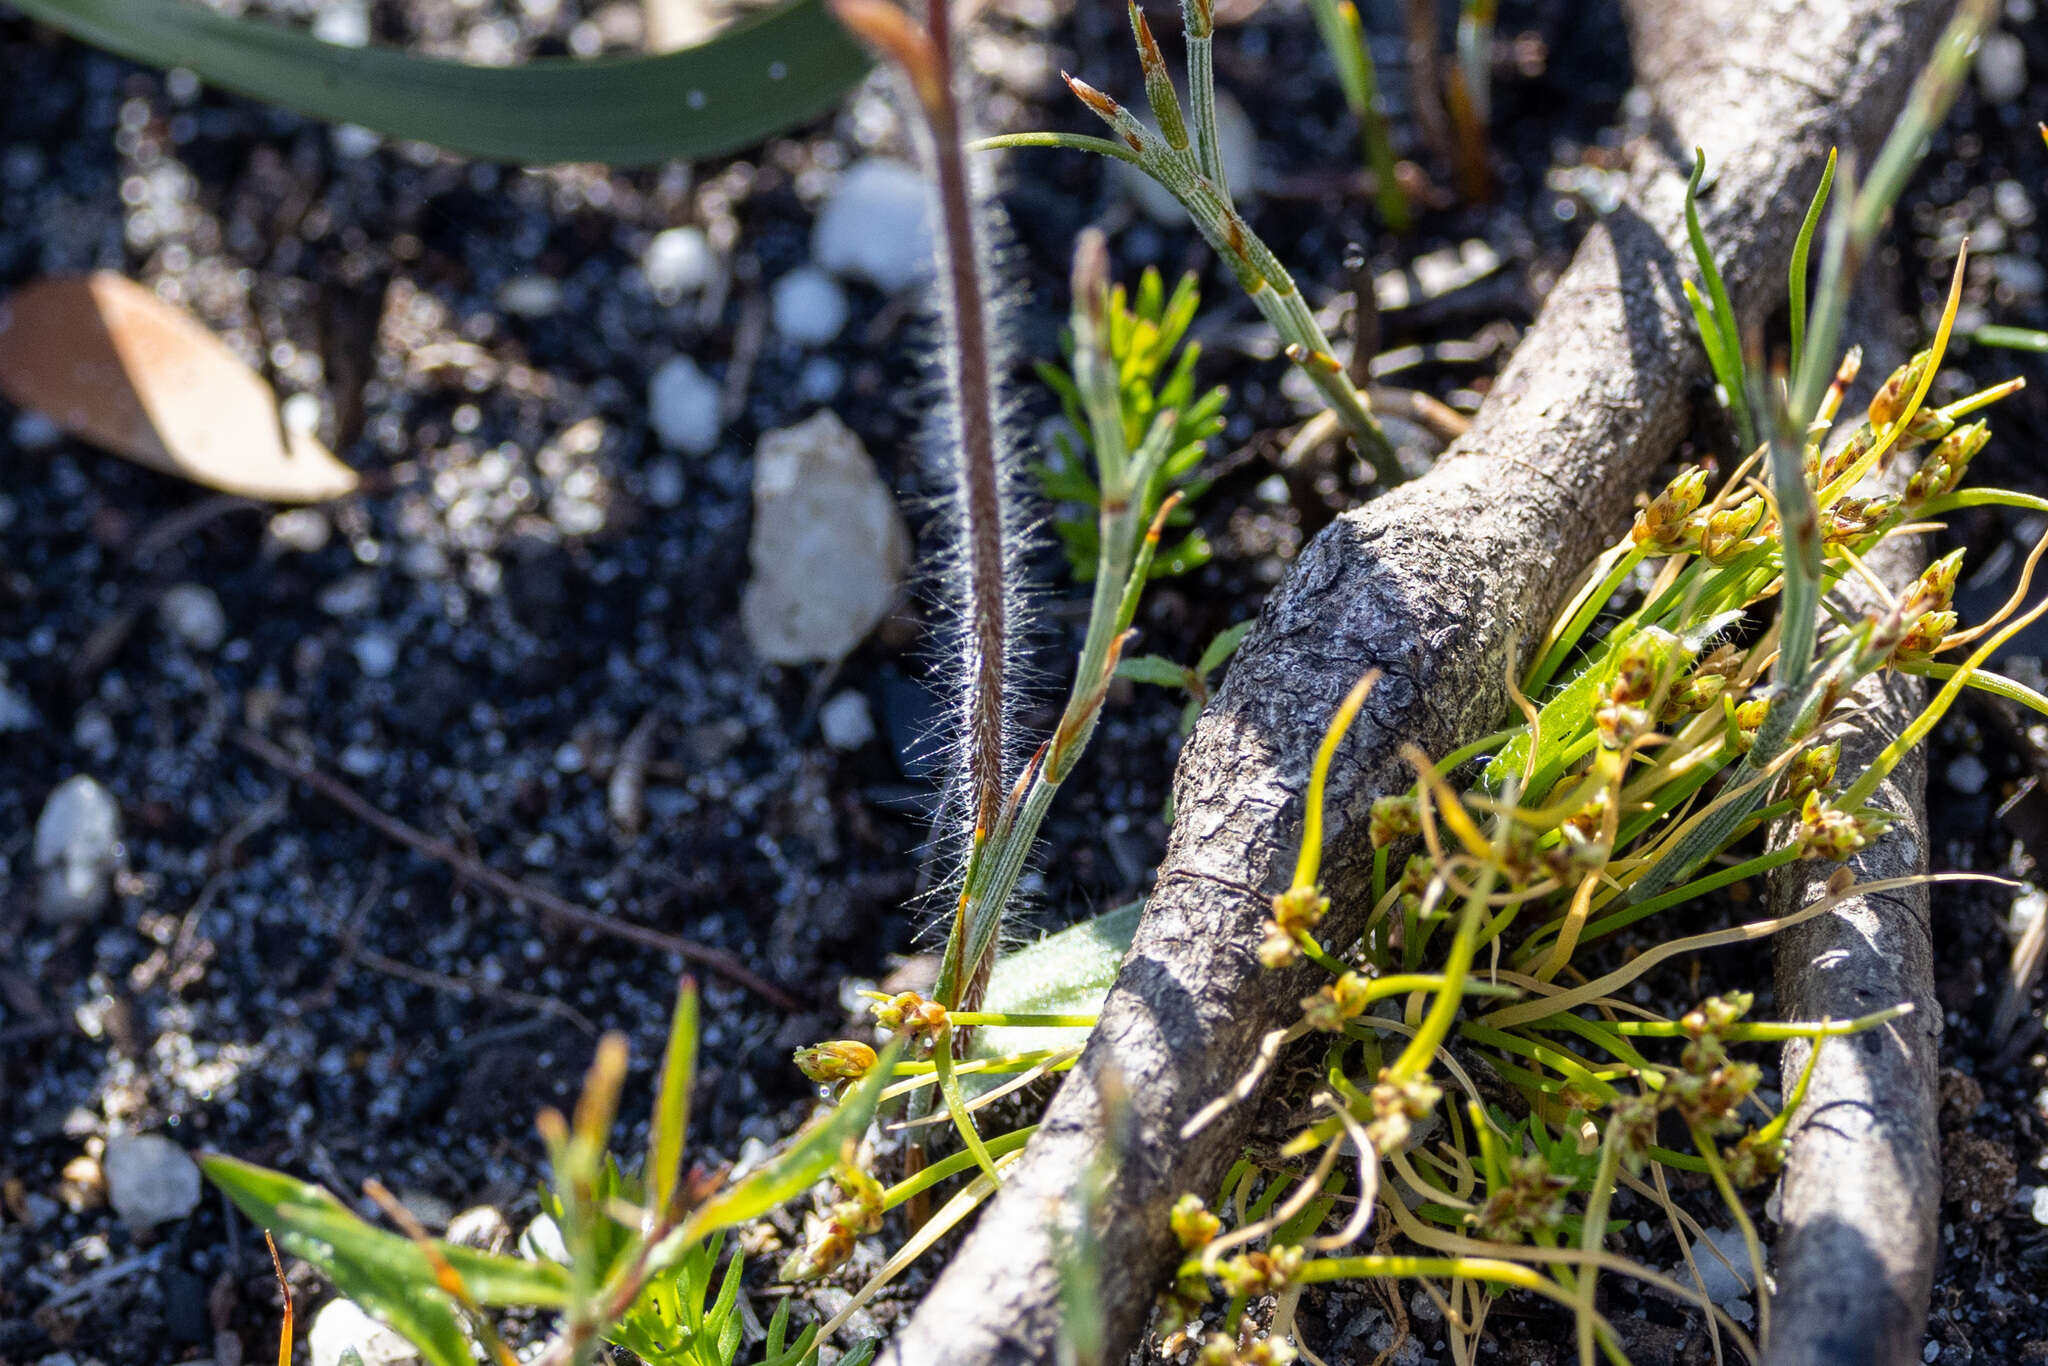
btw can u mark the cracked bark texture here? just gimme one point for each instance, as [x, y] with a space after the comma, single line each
[1430, 584]
[1860, 1202]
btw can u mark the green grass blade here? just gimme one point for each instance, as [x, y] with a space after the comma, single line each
[311, 1223]
[807, 1159]
[1728, 368]
[1222, 647]
[1801, 250]
[753, 80]
[2019, 338]
[389, 1275]
[671, 1119]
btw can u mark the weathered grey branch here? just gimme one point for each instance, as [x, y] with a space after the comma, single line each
[1862, 1185]
[1430, 584]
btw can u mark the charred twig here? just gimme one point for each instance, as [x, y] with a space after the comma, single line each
[512, 889]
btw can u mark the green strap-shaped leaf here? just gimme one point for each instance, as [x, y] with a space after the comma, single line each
[312, 1224]
[388, 1275]
[809, 1156]
[753, 80]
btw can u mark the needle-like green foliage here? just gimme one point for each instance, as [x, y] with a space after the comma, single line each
[1153, 368]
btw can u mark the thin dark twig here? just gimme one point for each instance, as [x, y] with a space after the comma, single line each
[469, 990]
[512, 889]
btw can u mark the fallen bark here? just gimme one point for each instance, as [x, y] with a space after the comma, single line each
[1861, 1191]
[1430, 584]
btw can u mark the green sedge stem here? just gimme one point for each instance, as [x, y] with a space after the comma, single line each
[1998, 685]
[956, 1106]
[1000, 1146]
[1802, 248]
[1590, 1236]
[1436, 1025]
[1712, 1156]
[1309, 862]
[1072, 142]
[1554, 658]
[2018, 338]
[1767, 1031]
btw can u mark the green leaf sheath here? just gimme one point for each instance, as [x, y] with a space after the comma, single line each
[753, 80]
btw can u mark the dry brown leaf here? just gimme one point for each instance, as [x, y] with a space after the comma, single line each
[108, 361]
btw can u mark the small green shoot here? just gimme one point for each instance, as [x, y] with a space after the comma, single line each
[641, 1251]
[1140, 350]
[1343, 35]
[1194, 681]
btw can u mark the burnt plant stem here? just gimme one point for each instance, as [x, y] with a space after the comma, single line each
[974, 399]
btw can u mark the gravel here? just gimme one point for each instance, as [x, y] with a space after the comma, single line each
[683, 406]
[877, 226]
[809, 307]
[77, 849]
[192, 613]
[846, 721]
[150, 1180]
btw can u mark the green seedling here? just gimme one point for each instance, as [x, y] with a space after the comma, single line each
[1194, 681]
[1140, 369]
[639, 1252]
[1344, 39]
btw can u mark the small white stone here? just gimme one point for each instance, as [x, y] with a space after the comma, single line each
[820, 380]
[1931, 1353]
[809, 306]
[353, 142]
[2023, 275]
[1723, 1286]
[302, 529]
[341, 1326]
[877, 226]
[192, 613]
[531, 296]
[350, 596]
[2001, 67]
[376, 654]
[150, 1180]
[346, 22]
[683, 406]
[300, 413]
[1966, 774]
[828, 550]
[93, 732]
[677, 262]
[78, 847]
[2040, 1206]
[2009, 198]
[482, 1227]
[542, 1242]
[845, 722]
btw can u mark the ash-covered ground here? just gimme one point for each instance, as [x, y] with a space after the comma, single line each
[537, 589]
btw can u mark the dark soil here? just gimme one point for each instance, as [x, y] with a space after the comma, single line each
[464, 650]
